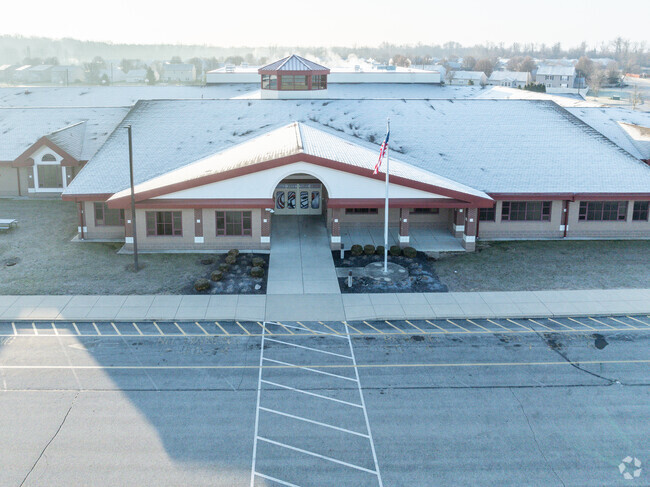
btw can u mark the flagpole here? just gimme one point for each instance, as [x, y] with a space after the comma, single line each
[386, 203]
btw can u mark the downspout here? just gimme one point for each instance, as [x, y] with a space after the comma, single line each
[478, 223]
[81, 219]
[18, 177]
[566, 217]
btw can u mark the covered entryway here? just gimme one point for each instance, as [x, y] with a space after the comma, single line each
[299, 194]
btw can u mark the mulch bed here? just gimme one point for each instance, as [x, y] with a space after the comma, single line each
[237, 279]
[422, 276]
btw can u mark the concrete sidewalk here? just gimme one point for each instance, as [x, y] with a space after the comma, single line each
[328, 307]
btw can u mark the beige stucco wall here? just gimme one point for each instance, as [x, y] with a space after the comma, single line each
[522, 229]
[8, 181]
[94, 231]
[607, 229]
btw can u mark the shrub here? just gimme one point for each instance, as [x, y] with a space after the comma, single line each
[216, 276]
[234, 252]
[394, 250]
[409, 252]
[202, 285]
[231, 259]
[368, 249]
[356, 250]
[380, 250]
[223, 267]
[258, 262]
[207, 260]
[257, 272]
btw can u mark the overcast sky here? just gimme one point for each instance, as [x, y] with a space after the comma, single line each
[327, 23]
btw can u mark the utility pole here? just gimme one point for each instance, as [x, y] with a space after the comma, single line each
[135, 232]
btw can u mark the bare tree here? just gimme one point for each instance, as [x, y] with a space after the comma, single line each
[484, 65]
[469, 62]
[450, 75]
[596, 79]
[636, 98]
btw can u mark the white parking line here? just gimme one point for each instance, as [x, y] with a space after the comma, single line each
[158, 328]
[317, 455]
[76, 329]
[309, 348]
[97, 329]
[285, 326]
[282, 386]
[273, 479]
[137, 328]
[13, 325]
[307, 420]
[118, 331]
[257, 409]
[310, 369]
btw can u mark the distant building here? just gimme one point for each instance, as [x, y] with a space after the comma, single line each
[511, 79]
[20, 73]
[67, 74]
[139, 75]
[178, 72]
[556, 76]
[7, 72]
[464, 78]
[39, 74]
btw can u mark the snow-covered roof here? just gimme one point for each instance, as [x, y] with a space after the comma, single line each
[513, 75]
[563, 99]
[293, 63]
[473, 75]
[548, 70]
[495, 146]
[20, 128]
[178, 67]
[294, 139]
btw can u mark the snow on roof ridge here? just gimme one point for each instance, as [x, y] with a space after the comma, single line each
[66, 128]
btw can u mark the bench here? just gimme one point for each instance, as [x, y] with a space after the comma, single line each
[6, 224]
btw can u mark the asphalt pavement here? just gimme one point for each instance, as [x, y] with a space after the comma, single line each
[319, 404]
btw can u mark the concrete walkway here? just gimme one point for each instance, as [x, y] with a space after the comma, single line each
[301, 259]
[328, 307]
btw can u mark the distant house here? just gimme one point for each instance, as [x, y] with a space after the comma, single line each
[20, 73]
[556, 76]
[465, 78]
[7, 72]
[178, 72]
[39, 74]
[512, 79]
[66, 74]
[139, 75]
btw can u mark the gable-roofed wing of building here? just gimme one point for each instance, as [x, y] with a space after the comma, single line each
[495, 146]
[21, 128]
[296, 143]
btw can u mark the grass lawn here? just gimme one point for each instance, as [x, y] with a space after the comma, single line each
[536, 265]
[49, 263]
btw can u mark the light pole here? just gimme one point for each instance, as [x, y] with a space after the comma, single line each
[135, 232]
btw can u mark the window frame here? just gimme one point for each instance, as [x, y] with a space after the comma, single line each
[176, 223]
[595, 211]
[221, 223]
[424, 211]
[362, 211]
[493, 211]
[507, 211]
[637, 213]
[101, 222]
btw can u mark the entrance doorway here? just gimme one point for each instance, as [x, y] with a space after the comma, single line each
[299, 199]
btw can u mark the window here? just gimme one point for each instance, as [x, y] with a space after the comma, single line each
[269, 82]
[107, 216]
[526, 211]
[48, 158]
[49, 176]
[234, 223]
[164, 223]
[487, 214]
[640, 211]
[603, 211]
[319, 82]
[424, 211]
[361, 211]
[294, 82]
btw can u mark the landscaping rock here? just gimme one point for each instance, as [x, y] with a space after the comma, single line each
[216, 276]
[202, 285]
[231, 259]
[257, 272]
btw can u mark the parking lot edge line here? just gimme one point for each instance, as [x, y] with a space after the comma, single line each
[306, 327]
[257, 409]
[180, 329]
[336, 333]
[307, 420]
[480, 326]
[158, 328]
[383, 333]
[500, 325]
[76, 329]
[265, 330]
[417, 327]
[602, 323]
[350, 326]
[137, 328]
[216, 323]
[540, 324]
[439, 327]
[239, 324]
[56, 332]
[309, 369]
[288, 329]
[276, 480]
[365, 413]
[289, 388]
[97, 329]
[118, 331]
[561, 324]
[635, 319]
[456, 324]
[623, 323]
[309, 348]
[317, 455]
[581, 323]
[398, 329]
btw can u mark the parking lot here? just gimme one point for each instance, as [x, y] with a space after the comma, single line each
[422, 402]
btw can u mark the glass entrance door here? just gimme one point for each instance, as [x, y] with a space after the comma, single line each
[298, 199]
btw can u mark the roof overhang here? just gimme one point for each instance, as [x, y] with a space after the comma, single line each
[569, 196]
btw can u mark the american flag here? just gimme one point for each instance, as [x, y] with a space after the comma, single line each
[382, 153]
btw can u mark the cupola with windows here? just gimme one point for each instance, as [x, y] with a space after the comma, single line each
[294, 77]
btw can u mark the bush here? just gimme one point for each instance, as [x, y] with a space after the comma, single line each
[207, 260]
[223, 267]
[202, 285]
[257, 272]
[231, 259]
[409, 252]
[394, 250]
[216, 276]
[356, 250]
[368, 249]
[258, 262]
[234, 252]
[380, 250]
